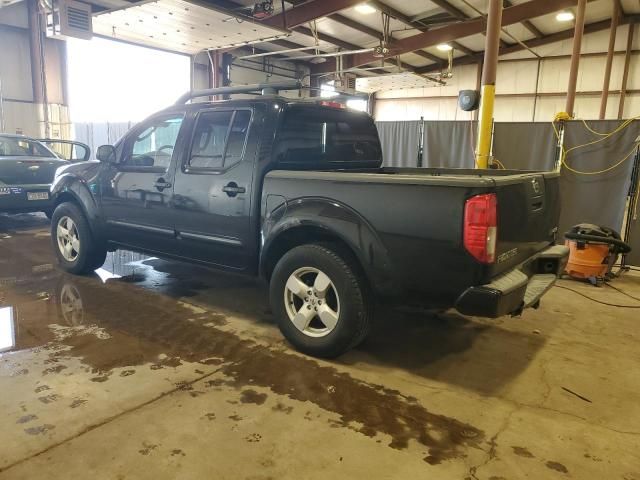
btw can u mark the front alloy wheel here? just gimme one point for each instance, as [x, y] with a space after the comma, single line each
[68, 239]
[73, 242]
[312, 302]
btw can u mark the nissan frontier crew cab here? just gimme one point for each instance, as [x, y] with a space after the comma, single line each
[294, 191]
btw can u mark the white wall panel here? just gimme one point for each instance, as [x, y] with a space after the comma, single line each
[15, 66]
[554, 76]
[519, 78]
[632, 106]
[53, 71]
[633, 81]
[15, 15]
[513, 109]
[21, 117]
[516, 77]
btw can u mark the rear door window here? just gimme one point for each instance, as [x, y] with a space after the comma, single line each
[317, 137]
[219, 139]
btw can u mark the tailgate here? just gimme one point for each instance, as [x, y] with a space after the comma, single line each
[528, 214]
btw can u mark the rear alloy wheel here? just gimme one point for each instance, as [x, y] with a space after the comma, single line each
[320, 299]
[312, 302]
[73, 242]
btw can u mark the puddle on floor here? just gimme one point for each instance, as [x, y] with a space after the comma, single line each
[109, 321]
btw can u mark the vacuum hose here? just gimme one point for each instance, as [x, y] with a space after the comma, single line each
[622, 247]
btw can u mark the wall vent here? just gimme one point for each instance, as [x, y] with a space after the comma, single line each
[70, 19]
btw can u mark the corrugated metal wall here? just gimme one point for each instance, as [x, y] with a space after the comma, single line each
[19, 114]
[518, 80]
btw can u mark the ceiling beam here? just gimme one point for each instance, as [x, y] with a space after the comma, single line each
[537, 42]
[450, 9]
[527, 24]
[307, 12]
[401, 17]
[328, 38]
[347, 22]
[510, 15]
[459, 14]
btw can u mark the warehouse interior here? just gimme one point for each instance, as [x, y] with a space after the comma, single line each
[143, 327]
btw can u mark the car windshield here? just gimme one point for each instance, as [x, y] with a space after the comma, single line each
[22, 147]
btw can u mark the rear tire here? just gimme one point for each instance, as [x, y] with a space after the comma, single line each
[321, 300]
[76, 249]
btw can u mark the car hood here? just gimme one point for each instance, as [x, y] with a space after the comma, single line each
[23, 170]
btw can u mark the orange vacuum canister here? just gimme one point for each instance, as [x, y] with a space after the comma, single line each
[592, 252]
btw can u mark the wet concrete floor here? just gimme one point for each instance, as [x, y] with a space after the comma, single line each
[156, 369]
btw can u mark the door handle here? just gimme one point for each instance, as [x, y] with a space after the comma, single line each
[161, 184]
[232, 189]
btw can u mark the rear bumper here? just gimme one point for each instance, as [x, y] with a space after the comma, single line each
[14, 198]
[521, 288]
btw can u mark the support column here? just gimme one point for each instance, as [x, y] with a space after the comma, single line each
[489, 69]
[625, 75]
[371, 106]
[64, 72]
[314, 84]
[575, 57]
[216, 69]
[36, 55]
[607, 70]
[35, 50]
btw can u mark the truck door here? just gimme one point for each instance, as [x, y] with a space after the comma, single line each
[212, 194]
[136, 192]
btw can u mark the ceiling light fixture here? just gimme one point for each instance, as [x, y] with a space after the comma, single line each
[365, 9]
[444, 47]
[565, 16]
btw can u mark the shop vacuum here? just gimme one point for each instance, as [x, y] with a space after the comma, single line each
[593, 250]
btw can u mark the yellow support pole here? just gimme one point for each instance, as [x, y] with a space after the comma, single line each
[485, 126]
[488, 90]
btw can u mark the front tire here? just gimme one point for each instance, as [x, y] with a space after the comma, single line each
[77, 250]
[320, 299]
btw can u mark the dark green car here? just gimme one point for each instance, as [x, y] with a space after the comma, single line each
[27, 168]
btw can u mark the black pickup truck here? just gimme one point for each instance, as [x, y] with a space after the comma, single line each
[294, 191]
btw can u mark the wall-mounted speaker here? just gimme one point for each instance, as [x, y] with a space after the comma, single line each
[469, 100]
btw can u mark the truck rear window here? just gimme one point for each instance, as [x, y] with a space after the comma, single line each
[312, 137]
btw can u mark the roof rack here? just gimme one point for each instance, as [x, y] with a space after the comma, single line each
[262, 88]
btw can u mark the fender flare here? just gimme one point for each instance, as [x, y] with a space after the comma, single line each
[337, 220]
[68, 184]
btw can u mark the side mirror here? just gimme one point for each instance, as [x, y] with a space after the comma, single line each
[106, 153]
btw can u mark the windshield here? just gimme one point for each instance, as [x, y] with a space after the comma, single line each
[22, 147]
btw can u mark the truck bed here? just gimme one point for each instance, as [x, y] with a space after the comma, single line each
[421, 228]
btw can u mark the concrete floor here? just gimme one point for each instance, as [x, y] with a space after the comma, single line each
[154, 369]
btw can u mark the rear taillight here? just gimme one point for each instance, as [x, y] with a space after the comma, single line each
[481, 227]
[329, 103]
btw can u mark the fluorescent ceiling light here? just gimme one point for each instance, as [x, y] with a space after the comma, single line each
[364, 8]
[565, 16]
[444, 47]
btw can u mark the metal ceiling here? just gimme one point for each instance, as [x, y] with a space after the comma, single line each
[182, 26]
[189, 26]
